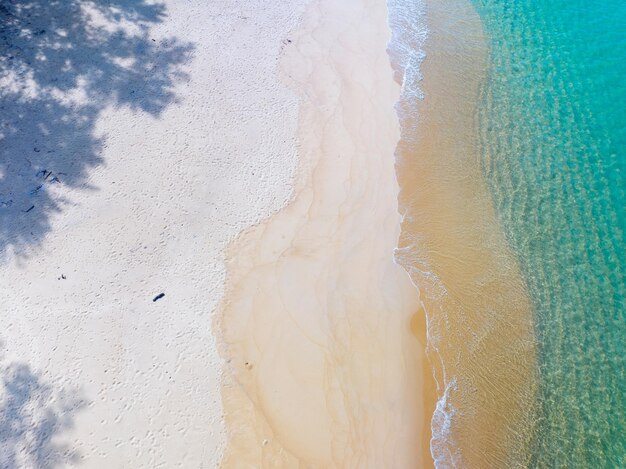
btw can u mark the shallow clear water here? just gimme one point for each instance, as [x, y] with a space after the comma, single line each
[553, 145]
[481, 340]
[511, 167]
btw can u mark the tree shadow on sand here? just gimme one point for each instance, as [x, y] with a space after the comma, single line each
[32, 415]
[62, 62]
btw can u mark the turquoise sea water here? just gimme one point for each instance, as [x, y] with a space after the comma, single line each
[553, 144]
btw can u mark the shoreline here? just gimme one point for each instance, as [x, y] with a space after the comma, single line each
[317, 281]
[480, 327]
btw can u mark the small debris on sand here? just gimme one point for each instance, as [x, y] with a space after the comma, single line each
[158, 297]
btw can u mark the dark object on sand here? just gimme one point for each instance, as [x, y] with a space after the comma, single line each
[158, 297]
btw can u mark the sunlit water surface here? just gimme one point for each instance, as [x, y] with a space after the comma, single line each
[511, 168]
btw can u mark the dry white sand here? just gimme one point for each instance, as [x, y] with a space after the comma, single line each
[167, 151]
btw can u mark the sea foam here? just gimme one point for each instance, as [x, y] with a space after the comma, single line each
[479, 319]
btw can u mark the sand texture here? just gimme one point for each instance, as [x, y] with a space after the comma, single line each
[136, 139]
[323, 368]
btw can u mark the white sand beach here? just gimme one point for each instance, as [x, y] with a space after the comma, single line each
[166, 130]
[320, 327]
[198, 210]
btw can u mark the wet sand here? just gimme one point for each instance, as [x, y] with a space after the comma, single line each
[480, 329]
[319, 327]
